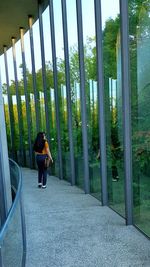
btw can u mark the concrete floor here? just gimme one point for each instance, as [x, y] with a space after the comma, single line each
[66, 228]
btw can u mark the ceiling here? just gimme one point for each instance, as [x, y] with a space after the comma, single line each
[13, 15]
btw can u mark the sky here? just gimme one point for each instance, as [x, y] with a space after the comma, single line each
[110, 8]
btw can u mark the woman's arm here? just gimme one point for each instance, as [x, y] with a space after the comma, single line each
[48, 153]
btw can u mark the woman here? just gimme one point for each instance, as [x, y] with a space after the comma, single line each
[42, 151]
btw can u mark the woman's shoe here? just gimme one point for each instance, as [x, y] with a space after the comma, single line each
[115, 179]
[43, 186]
[39, 185]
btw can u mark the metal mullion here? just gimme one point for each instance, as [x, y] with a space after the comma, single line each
[126, 89]
[19, 111]
[44, 71]
[68, 89]
[53, 43]
[36, 94]
[28, 113]
[83, 96]
[10, 106]
[101, 107]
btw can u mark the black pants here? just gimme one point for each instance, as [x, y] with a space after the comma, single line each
[42, 171]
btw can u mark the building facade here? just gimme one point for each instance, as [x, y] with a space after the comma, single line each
[79, 71]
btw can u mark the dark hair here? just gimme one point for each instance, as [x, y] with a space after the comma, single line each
[39, 142]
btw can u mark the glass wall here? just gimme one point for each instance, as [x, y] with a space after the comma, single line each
[50, 91]
[12, 238]
[62, 89]
[38, 69]
[5, 101]
[139, 37]
[113, 105]
[29, 96]
[75, 91]
[140, 96]
[91, 96]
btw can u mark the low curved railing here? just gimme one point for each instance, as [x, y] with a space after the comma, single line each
[13, 233]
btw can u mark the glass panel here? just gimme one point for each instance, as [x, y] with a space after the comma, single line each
[12, 242]
[53, 145]
[11, 92]
[5, 99]
[7, 121]
[33, 115]
[50, 88]
[62, 89]
[22, 100]
[91, 95]
[38, 68]
[75, 91]
[31, 110]
[140, 87]
[113, 103]
[15, 113]
[30, 85]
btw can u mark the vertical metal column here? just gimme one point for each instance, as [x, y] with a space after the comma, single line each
[36, 94]
[53, 43]
[19, 111]
[83, 96]
[10, 107]
[126, 110]
[28, 113]
[68, 89]
[44, 71]
[101, 107]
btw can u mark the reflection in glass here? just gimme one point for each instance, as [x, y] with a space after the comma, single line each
[5, 101]
[113, 106]
[14, 102]
[38, 68]
[75, 91]
[62, 89]
[13, 241]
[50, 86]
[7, 121]
[140, 89]
[91, 96]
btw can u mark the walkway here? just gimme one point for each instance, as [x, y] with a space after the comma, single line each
[66, 228]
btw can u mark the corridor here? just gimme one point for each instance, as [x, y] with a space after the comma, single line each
[66, 228]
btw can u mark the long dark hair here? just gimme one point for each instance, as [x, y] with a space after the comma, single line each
[39, 142]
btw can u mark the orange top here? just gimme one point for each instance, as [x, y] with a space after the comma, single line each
[44, 151]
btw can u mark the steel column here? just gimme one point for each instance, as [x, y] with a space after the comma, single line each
[126, 110]
[68, 89]
[53, 43]
[101, 107]
[36, 94]
[83, 96]
[10, 107]
[28, 113]
[19, 111]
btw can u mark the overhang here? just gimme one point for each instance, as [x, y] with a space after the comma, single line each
[13, 15]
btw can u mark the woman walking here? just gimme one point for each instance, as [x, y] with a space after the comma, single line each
[42, 151]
